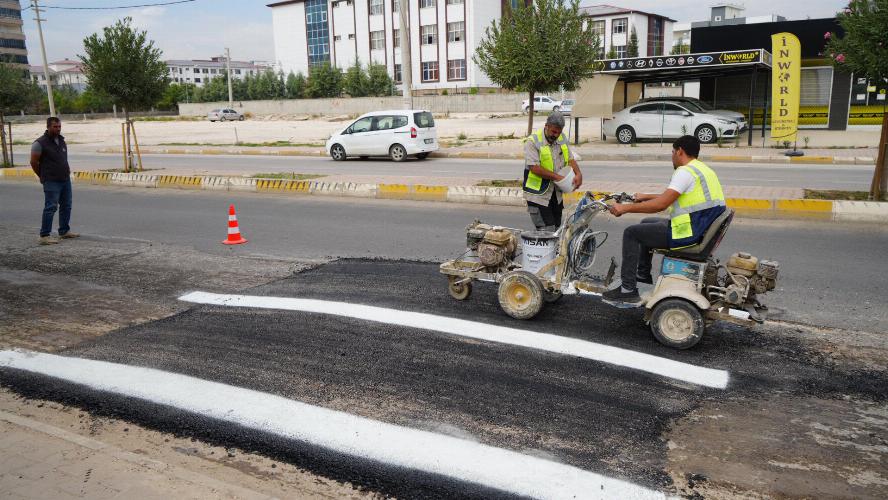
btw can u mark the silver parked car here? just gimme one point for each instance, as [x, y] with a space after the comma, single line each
[651, 120]
[224, 114]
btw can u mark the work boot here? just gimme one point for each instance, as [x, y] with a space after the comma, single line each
[48, 240]
[618, 295]
[69, 235]
[644, 278]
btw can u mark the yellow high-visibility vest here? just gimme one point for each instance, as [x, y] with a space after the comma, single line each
[707, 193]
[532, 182]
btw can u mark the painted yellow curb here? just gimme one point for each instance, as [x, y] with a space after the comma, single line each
[103, 178]
[430, 193]
[179, 181]
[804, 206]
[811, 159]
[731, 158]
[749, 204]
[394, 191]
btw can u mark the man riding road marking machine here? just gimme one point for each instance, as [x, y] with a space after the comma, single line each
[693, 290]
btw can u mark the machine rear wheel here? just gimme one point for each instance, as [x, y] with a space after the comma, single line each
[521, 295]
[677, 323]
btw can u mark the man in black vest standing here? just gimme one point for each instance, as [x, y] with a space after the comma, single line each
[49, 159]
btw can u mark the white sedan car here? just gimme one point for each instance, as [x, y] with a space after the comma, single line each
[652, 120]
[541, 103]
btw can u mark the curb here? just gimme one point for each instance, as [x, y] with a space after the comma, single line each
[865, 211]
[480, 155]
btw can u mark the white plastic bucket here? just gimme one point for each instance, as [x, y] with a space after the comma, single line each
[538, 248]
[566, 185]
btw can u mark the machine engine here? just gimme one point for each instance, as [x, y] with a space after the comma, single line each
[747, 277]
[495, 246]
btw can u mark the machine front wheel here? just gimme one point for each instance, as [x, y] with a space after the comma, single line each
[677, 323]
[459, 291]
[521, 295]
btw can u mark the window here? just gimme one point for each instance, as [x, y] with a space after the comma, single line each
[377, 40]
[396, 6]
[351, 36]
[362, 125]
[396, 38]
[197, 80]
[399, 121]
[376, 7]
[619, 26]
[316, 32]
[454, 2]
[237, 72]
[424, 119]
[11, 43]
[428, 34]
[426, 3]
[384, 122]
[336, 38]
[673, 110]
[213, 71]
[180, 71]
[621, 51]
[646, 108]
[456, 32]
[14, 13]
[655, 36]
[397, 76]
[598, 29]
[430, 71]
[456, 69]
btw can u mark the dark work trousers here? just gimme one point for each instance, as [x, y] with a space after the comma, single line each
[546, 218]
[638, 240]
[57, 196]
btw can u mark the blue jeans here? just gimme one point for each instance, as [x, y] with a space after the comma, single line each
[58, 197]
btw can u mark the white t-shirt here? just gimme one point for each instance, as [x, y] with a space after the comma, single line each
[682, 181]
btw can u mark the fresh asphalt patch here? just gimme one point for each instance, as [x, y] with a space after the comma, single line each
[599, 417]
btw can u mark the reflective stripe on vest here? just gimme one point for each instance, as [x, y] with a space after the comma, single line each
[532, 182]
[707, 193]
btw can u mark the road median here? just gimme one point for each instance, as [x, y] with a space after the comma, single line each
[835, 210]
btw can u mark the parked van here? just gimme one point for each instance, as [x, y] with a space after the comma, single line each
[396, 134]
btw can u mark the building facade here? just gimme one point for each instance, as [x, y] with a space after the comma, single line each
[443, 36]
[614, 26]
[61, 73]
[719, 15]
[12, 38]
[200, 71]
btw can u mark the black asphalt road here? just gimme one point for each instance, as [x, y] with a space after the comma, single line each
[588, 414]
[827, 269]
[844, 177]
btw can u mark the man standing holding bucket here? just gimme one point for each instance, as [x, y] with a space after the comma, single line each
[545, 156]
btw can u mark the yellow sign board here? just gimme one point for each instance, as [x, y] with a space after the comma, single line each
[786, 85]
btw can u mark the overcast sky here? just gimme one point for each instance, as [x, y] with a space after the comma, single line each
[203, 28]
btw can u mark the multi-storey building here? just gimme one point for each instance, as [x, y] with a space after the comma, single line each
[615, 26]
[12, 38]
[443, 36]
[199, 72]
[61, 73]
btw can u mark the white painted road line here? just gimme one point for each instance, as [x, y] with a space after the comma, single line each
[665, 367]
[340, 432]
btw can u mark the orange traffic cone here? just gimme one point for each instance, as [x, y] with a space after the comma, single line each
[234, 236]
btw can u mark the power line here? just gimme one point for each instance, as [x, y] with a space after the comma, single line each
[118, 7]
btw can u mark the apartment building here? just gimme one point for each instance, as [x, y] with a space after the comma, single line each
[12, 37]
[443, 36]
[615, 25]
[200, 71]
[61, 73]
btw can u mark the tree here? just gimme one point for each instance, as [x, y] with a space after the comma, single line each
[324, 81]
[863, 51]
[680, 48]
[295, 85]
[632, 48]
[355, 82]
[542, 47]
[174, 94]
[16, 93]
[125, 65]
[611, 53]
[379, 82]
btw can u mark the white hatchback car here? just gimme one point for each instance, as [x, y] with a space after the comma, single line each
[541, 103]
[396, 134]
[651, 120]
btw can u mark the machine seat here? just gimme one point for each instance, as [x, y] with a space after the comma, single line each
[707, 245]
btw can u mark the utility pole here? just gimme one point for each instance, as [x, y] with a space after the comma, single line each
[228, 64]
[37, 11]
[406, 64]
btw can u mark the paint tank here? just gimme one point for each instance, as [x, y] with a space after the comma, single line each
[538, 248]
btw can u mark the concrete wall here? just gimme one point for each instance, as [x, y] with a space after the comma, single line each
[464, 103]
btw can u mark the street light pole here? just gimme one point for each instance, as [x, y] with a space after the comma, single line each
[37, 11]
[406, 64]
[228, 64]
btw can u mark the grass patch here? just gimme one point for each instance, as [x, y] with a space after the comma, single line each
[500, 183]
[835, 194]
[272, 144]
[289, 176]
[122, 171]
